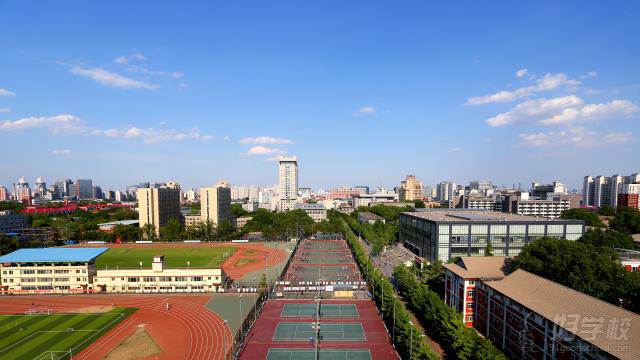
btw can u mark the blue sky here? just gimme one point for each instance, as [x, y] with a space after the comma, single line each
[362, 92]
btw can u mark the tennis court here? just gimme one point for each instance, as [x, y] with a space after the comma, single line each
[326, 310]
[328, 332]
[324, 257]
[324, 245]
[310, 354]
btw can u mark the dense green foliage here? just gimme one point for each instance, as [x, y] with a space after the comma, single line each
[11, 205]
[626, 219]
[388, 304]
[238, 211]
[607, 210]
[608, 238]
[585, 267]
[444, 324]
[379, 234]
[590, 218]
[174, 257]
[280, 225]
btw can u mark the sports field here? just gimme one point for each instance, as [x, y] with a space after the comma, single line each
[42, 336]
[174, 257]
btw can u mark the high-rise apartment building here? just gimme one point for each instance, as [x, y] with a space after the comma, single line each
[446, 190]
[287, 182]
[64, 187]
[22, 191]
[39, 188]
[602, 190]
[4, 193]
[629, 195]
[215, 203]
[411, 189]
[156, 206]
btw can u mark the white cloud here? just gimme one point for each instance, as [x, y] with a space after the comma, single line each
[522, 73]
[263, 150]
[126, 59]
[590, 74]
[546, 83]
[562, 110]
[264, 140]
[364, 111]
[57, 124]
[5, 92]
[226, 137]
[152, 136]
[5, 110]
[574, 137]
[109, 78]
[455, 150]
[61, 152]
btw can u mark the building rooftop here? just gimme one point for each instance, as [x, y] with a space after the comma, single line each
[369, 216]
[306, 206]
[450, 215]
[47, 255]
[480, 267]
[571, 309]
[121, 222]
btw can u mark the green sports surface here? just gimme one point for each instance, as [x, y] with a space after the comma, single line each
[309, 354]
[174, 257]
[53, 336]
[328, 332]
[326, 310]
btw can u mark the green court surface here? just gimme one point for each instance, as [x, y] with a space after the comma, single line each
[309, 354]
[327, 245]
[328, 332]
[326, 310]
[54, 336]
[174, 257]
[324, 273]
[323, 258]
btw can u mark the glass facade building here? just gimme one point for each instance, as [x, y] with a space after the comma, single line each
[446, 234]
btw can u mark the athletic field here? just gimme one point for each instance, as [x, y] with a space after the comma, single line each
[174, 257]
[42, 336]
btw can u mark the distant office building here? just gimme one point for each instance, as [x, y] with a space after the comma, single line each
[552, 207]
[215, 203]
[446, 190]
[191, 195]
[4, 194]
[132, 190]
[287, 182]
[411, 189]
[481, 185]
[242, 221]
[39, 188]
[362, 189]
[156, 206]
[541, 191]
[191, 219]
[84, 189]
[315, 211]
[629, 195]
[64, 187]
[441, 234]
[97, 192]
[479, 202]
[118, 196]
[343, 193]
[601, 190]
[22, 191]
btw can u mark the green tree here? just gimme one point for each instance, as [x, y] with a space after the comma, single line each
[419, 204]
[590, 218]
[172, 231]
[488, 251]
[607, 210]
[627, 219]
[225, 231]
[149, 232]
[608, 238]
[238, 211]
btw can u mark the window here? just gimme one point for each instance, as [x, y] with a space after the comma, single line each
[197, 278]
[44, 271]
[181, 278]
[133, 279]
[469, 318]
[165, 278]
[471, 293]
[470, 305]
[28, 272]
[149, 279]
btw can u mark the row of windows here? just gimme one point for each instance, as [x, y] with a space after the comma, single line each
[135, 279]
[44, 271]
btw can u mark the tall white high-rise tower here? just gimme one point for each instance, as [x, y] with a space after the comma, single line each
[287, 182]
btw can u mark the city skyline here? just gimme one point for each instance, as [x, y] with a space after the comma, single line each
[208, 95]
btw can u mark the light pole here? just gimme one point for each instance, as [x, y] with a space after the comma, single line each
[240, 302]
[224, 341]
[411, 340]
[393, 336]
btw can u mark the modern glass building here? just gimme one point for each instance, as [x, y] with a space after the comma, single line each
[443, 234]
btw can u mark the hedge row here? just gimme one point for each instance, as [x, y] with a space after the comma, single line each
[386, 303]
[444, 324]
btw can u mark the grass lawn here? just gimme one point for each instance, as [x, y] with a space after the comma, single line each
[52, 336]
[174, 257]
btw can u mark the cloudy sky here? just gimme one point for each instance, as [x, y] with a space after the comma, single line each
[362, 92]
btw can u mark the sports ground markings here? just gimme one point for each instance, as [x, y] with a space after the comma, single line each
[328, 332]
[326, 310]
[324, 354]
[70, 324]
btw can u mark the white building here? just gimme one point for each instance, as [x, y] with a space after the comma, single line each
[159, 279]
[287, 182]
[446, 190]
[602, 190]
[315, 211]
[215, 203]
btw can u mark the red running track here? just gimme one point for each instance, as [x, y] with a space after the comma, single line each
[187, 330]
